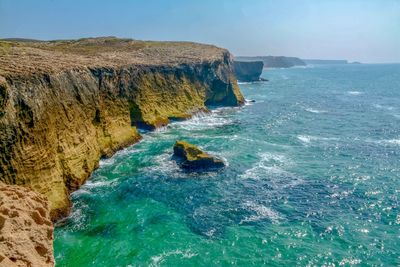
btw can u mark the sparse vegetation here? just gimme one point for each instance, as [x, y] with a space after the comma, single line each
[30, 56]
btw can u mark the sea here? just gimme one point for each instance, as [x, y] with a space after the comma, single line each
[312, 178]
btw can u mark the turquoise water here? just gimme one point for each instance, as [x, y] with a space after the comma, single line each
[313, 178]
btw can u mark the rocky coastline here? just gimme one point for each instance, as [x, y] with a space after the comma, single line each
[66, 104]
[248, 71]
[275, 61]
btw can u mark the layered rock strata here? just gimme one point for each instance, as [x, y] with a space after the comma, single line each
[66, 104]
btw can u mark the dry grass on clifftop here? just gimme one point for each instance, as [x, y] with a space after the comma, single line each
[18, 56]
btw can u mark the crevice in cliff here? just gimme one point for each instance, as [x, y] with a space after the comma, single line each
[25, 113]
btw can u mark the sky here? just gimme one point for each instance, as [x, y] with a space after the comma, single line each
[357, 30]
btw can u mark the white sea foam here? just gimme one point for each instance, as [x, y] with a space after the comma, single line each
[261, 212]
[378, 106]
[158, 259]
[307, 139]
[204, 121]
[164, 164]
[249, 102]
[269, 163]
[395, 142]
[349, 262]
[304, 138]
[317, 111]
[94, 184]
[354, 93]
[121, 153]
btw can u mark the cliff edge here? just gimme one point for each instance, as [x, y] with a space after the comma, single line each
[248, 71]
[66, 104]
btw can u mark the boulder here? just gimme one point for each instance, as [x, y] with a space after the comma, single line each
[190, 157]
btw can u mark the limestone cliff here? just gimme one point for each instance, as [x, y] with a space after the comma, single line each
[26, 232]
[248, 71]
[275, 61]
[66, 104]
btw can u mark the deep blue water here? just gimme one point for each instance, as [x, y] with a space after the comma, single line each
[313, 178]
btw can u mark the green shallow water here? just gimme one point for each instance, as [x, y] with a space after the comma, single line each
[313, 178]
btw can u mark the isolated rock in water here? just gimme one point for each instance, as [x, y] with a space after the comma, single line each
[26, 232]
[193, 158]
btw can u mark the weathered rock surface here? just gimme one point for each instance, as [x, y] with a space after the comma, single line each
[190, 157]
[66, 104]
[276, 61]
[248, 71]
[26, 232]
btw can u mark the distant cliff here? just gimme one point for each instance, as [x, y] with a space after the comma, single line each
[66, 104]
[325, 61]
[248, 71]
[275, 61]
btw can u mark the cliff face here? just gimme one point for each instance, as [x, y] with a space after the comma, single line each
[248, 71]
[276, 61]
[26, 232]
[64, 105]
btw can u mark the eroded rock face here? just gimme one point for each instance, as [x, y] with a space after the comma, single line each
[248, 71]
[26, 232]
[66, 104]
[190, 157]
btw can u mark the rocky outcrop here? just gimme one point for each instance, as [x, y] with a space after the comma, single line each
[26, 232]
[248, 71]
[275, 61]
[190, 157]
[66, 104]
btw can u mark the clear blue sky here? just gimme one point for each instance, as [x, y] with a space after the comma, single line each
[363, 30]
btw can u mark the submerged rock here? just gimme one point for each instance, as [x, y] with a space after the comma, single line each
[191, 157]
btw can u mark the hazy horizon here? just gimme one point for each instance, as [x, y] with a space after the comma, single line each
[355, 30]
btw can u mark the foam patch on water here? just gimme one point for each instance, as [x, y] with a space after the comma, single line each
[121, 153]
[350, 261]
[378, 106]
[269, 163]
[395, 142]
[249, 102]
[261, 212]
[355, 92]
[158, 259]
[204, 121]
[316, 111]
[308, 139]
[164, 164]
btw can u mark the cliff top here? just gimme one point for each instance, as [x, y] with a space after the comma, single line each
[25, 56]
